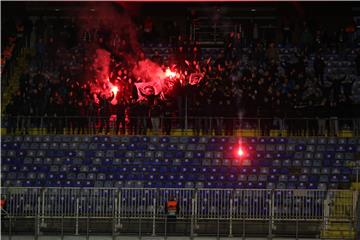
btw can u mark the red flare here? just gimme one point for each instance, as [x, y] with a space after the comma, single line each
[169, 73]
[240, 152]
[115, 90]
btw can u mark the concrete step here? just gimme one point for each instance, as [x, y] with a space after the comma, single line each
[338, 234]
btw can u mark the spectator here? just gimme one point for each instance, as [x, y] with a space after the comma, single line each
[28, 28]
[143, 114]
[104, 110]
[208, 123]
[155, 114]
[92, 113]
[40, 27]
[157, 58]
[229, 45]
[51, 50]
[306, 39]
[82, 120]
[133, 115]
[272, 53]
[341, 39]
[287, 32]
[319, 68]
[334, 122]
[196, 113]
[229, 117]
[40, 54]
[148, 30]
[262, 83]
[120, 109]
[11, 117]
[321, 114]
[278, 103]
[357, 62]
[168, 114]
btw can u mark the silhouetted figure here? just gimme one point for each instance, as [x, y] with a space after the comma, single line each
[319, 68]
[104, 105]
[168, 113]
[120, 116]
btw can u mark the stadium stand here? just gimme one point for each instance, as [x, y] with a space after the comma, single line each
[257, 136]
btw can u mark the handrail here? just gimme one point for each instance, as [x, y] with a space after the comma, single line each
[190, 116]
[218, 202]
[127, 207]
[357, 215]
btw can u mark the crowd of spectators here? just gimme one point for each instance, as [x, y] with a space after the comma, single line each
[15, 36]
[238, 83]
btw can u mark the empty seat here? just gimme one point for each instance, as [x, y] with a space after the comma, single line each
[103, 160]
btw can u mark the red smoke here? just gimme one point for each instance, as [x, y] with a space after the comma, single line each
[150, 78]
[102, 83]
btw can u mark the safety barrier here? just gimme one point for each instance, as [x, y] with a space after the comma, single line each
[148, 203]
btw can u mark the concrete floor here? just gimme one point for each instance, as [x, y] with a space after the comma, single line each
[135, 238]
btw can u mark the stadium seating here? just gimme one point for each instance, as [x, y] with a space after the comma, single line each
[177, 162]
[335, 63]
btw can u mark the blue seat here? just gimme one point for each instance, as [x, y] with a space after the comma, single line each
[334, 179]
[272, 178]
[344, 179]
[104, 160]
[302, 185]
[291, 185]
[164, 140]
[313, 179]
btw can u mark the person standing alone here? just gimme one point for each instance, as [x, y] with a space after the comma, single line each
[171, 210]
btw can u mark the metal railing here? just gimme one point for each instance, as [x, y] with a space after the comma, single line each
[357, 215]
[169, 125]
[144, 207]
[252, 204]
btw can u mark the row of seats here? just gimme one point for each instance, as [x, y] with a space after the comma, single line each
[137, 162]
[180, 147]
[5, 168]
[183, 139]
[226, 175]
[172, 184]
[183, 158]
[259, 166]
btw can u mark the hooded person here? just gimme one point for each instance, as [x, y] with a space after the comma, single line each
[171, 210]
